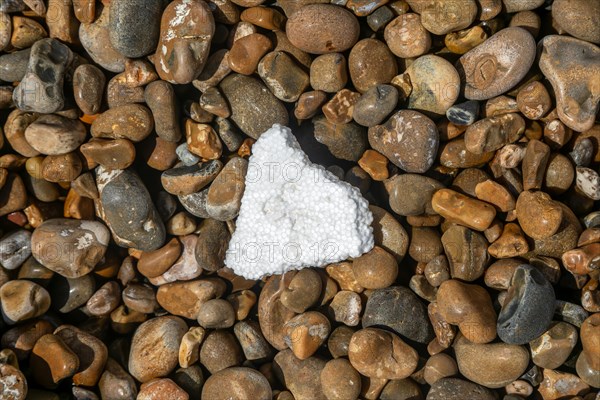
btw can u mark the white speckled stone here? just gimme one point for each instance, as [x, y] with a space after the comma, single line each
[294, 213]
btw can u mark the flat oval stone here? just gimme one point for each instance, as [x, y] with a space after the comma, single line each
[322, 28]
[492, 365]
[371, 63]
[69, 247]
[254, 108]
[375, 105]
[389, 233]
[184, 45]
[407, 37]
[400, 310]
[155, 347]
[380, 354]
[435, 85]
[415, 202]
[237, 383]
[134, 26]
[529, 306]
[246, 52]
[45, 76]
[408, 139]
[55, 135]
[571, 66]
[577, 18]
[329, 72]
[186, 298]
[129, 121]
[490, 68]
[125, 198]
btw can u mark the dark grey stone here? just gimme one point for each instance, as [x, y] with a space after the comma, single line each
[458, 389]
[10, 6]
[534, 375]
[374, 106]
[15, 248]
[213, 240]
[380, 18]
[13, 66]
[134, 26]
[399, 309]
[129, 211]
[583, 152]
[166, 205]
[41, 89]
[528, 308]
[464, 113]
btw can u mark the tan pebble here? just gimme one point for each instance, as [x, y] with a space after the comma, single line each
[130, 121]
[512, 243]
[220, 350]
[558, 384]
[329, 72]
[346, 307]
[406, 36]
[496, 194]
[375, 164]
[22, 300]
[237, 383]
[190, 345]
[202, 140]
[52, 361]
[161, 389]
[340, 381]
[439, 366]
[216, 314]
[306, 332]
[247, 51]
[186, 298]
[469, 307]
[539, 215]
[322, 28]
[380, 354]
[264, 17]
[534, 100]
[462, 41]
[440, 17]
[339, 109]
[553, 347]
[25, 32]
[459, 208]
[492, 365]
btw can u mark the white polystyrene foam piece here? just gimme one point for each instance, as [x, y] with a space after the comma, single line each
[295, 214]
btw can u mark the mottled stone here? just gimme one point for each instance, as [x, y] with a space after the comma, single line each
[551, 349]
[283, 76]
[345, 141]
[237, 383]
[408, 139]
[570, 65]
[371, 63]
[406, 36]
[375, 105]
[435, 85]
[440, 17]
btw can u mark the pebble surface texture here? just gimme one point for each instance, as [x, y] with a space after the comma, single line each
[300, 199]
[279, 228]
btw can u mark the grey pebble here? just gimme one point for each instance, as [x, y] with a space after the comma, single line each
[15, 248]
[399, 309]
[186, 156]
[134, 26]
[13, 66]
[529, 306]
[583, 152]
[128, 210]
[195, 203]
[458, 389]
[570, 312]
[41, 89]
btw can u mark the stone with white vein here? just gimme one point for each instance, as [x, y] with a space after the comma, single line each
[294, 213]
